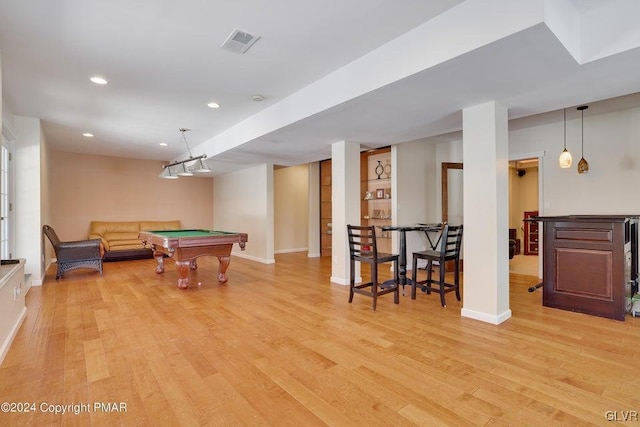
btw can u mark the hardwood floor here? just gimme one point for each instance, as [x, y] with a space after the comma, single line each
[280, 345]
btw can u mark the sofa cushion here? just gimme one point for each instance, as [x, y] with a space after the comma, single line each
[104, 227]
[125, 244]
[115, 238]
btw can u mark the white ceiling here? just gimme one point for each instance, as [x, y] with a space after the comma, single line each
[164, 64]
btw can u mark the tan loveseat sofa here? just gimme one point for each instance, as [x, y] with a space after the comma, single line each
[120, 238]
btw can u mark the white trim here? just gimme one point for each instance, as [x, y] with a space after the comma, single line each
[339, 281]
[486, 317]
[256, 259]
[7, 342]
[344, 282]
[538, 154]
[288, 251]
[310, 255]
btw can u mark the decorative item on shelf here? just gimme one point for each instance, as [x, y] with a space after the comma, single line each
[380, 193]
[387, 169]
[583, 166]
[379, 169]
[180, 167]
[368, 195]
[565, 159]
[376, 214]
[387, 195]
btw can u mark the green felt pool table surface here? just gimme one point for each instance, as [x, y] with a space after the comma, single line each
[190, 233]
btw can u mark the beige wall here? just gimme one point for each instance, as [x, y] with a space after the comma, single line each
[87, 188]
[291, 208]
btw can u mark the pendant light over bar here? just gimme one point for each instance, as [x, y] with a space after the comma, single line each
[565, 159]
[179, 168]
[583, 166]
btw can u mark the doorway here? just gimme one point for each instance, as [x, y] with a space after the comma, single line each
[523, 202]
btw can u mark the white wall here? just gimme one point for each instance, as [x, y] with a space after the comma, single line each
[345, 206]
[414, 190]
[29, 144]
[611, 146]
[291, 209]
[243, 202]
[46, 210]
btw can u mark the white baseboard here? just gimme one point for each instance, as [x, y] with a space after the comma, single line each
[289, 251]
[7, 342]
[313, 255]
[339, 281]
[344, 282]
[494, 319]
[256, 259]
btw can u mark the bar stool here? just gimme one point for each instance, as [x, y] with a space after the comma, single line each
[364, 249]
[449, 251]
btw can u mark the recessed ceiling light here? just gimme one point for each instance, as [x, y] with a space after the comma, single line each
[163, 144]
[98, 80]
[213, 105]
[257, 98]
[88, 135]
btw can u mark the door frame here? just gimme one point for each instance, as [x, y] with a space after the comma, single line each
[8, 141]
[445, 187]
[540, 156]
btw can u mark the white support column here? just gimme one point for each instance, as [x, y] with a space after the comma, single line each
[486, 207]
[345, 205]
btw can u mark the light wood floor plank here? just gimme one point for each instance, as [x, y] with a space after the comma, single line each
[280, 345]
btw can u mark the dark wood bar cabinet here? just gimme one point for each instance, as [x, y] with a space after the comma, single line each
[590, 263]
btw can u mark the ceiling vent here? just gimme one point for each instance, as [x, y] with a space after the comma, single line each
[239, 41]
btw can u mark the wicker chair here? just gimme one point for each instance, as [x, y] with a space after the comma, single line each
[74, 255]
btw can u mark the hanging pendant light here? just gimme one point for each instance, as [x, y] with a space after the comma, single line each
[183, 171]
[200, 167]
[181, 168]
[565, 159]
[583, 166]
[167, 173]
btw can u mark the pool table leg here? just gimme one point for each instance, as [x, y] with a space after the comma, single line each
[183, 273]
[222, 268]
[160, 259]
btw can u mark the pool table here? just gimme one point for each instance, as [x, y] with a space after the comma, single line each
[184, 246]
